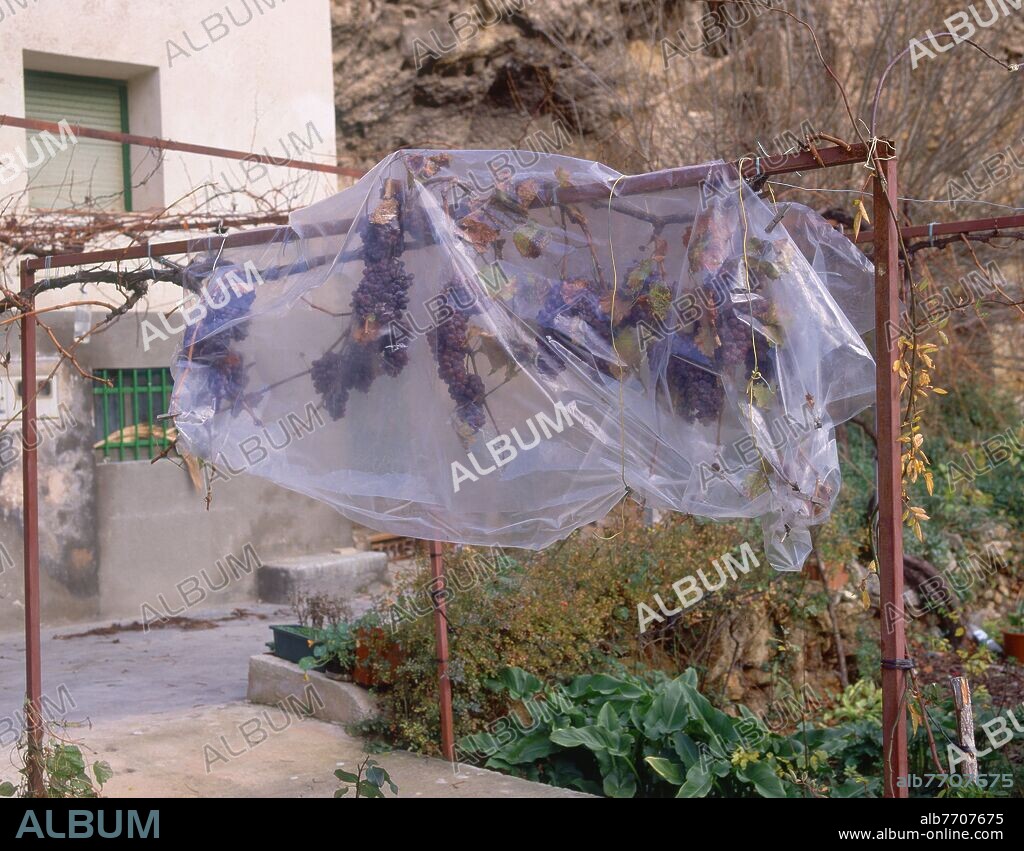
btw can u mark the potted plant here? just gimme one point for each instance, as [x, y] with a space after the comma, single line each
[1013, 634]
[313, 612]
[333, 650]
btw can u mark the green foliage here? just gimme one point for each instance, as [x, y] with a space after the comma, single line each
[66, 773]
[858, 701]
[333, 645]
[568, 609]
[368, 781]
[627, 736]
[1015, 619]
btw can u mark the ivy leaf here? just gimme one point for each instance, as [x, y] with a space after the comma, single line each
[103, 771]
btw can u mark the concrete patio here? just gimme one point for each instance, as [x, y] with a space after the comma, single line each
[167, 709]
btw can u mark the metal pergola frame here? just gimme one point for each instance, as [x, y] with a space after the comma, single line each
[886, 237]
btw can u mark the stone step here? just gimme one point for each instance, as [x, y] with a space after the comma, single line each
[350, 574]
[277, 682]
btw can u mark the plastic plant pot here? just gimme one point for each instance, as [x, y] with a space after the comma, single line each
[291, 641]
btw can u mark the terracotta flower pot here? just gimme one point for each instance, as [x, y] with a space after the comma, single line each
[1013, 645]
[375, 654]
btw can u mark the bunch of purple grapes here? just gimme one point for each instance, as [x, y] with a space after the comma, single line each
[582, 304]
[450, 341]
[379, 300]
[208, 343]
[336, 374]
[383, 292]
[696, 391]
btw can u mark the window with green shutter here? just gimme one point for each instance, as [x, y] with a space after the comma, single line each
[126, 412]
[88, 172]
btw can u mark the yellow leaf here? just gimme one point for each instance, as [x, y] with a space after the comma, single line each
[872, 566]
[929, 483]
[939, 390]
[861, 215]
[915, 717]
[918, 532]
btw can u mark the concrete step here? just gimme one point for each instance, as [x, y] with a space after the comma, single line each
[280, 683]
[351, 574]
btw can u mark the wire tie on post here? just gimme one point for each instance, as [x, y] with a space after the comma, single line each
[931, 234]
[898, 664]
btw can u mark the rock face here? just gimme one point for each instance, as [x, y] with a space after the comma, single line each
[483, 74]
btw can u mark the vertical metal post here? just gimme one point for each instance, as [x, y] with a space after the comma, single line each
[441, 641]
[890, 475]
[30, 512]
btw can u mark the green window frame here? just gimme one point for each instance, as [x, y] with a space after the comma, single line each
[126, 411]
[120, 87]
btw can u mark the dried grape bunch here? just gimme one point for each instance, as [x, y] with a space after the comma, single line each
[697, 393]
[379, 300]
[450, 342]
[569, 300]
[336, 374]
[207, 343]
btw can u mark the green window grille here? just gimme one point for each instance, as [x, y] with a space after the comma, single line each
[127, 428]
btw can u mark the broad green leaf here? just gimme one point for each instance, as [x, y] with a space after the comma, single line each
[603, 684]
[7, 789]
[369, 790]
[697, 785]
[620, 783]
[667, 770]
[102, 771]
[346, 776]
[529, 748]
[764, 779]
[520, 684]
[596, 739]
[608, 718]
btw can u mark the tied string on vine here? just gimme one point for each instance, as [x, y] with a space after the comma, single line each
[755, 374]
[618, 358]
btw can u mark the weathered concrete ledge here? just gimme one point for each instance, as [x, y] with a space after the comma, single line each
[280, 683]
[339, 574]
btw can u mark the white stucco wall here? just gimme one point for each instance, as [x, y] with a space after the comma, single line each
[240, 74]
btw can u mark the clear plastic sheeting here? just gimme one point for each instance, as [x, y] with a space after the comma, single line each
[497, 347]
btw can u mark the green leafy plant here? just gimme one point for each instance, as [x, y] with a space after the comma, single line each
[368, 781]
[65, 772]
[1015, 619]
[858, 701]
[627, 736]
[334, 645]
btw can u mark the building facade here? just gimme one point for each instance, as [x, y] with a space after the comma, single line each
[118, 530]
